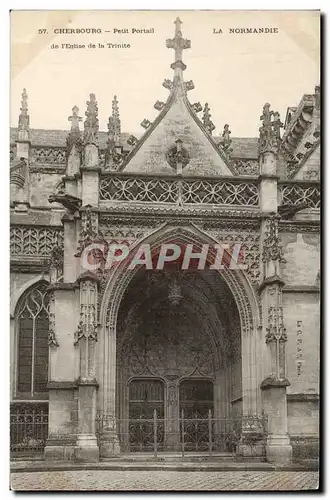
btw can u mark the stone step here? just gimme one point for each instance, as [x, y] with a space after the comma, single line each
[124, 465]
[173, 457]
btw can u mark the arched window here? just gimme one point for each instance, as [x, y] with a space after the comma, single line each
[32, 321]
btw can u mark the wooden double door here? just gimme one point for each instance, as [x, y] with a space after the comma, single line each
[155, 419]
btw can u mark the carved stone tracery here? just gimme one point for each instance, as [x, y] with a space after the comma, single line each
[276, 336]
[249, 241]
[48, 156]
[178, 155]
[272, 248]
[175, 339]
[37, 303]
[120, 283]
[89, 232]
[87, 327]
[156, 190]
[275, 329]
[247, 166]
[34, 241]
[52, 342]
[56, 263]
[300, 193]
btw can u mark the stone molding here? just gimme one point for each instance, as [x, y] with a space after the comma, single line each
[86, 168]
[63, 286]
[301, 289]
[42, 169]
[274, 382]
[302, 397]
[87, 382]
[26, 267]
[270, 281]
[88, 276]
[268, 176]
[61, 385]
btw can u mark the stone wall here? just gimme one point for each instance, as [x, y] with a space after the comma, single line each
[41, 186]
[18, 282]
[301, 316]
[178, 124]
[301, 313]
[302, 256]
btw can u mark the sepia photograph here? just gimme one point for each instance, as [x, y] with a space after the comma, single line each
[165, 250]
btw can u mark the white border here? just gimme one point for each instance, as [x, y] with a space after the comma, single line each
[4, 184]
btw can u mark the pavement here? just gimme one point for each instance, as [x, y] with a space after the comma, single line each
[161, 463]
[164, 480]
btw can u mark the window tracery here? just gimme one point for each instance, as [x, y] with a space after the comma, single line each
[32, 347]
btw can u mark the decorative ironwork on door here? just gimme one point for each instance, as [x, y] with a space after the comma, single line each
[145, 396]
[209, 435]
[196, 404]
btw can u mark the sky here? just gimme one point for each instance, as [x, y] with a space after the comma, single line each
[235, 73]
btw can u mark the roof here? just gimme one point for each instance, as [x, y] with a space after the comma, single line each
[243, 147]
[57, 138]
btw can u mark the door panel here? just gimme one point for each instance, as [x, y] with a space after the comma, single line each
[196, 399]
[145, 396]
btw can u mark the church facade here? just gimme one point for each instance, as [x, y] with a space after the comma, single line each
[216, 359]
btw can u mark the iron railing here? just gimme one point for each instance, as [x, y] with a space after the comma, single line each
[209, 435]
[28, 428]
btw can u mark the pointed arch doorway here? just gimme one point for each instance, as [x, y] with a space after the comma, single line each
[178, 360]
[230, 299]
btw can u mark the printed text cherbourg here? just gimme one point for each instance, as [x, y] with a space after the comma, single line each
[145, 31]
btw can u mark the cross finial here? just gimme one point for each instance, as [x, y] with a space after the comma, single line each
[177, 23]
[178, 43]
[74, 138]
[75, 118]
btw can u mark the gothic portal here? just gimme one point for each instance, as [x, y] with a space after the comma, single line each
[111, 361]
[178, 351]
